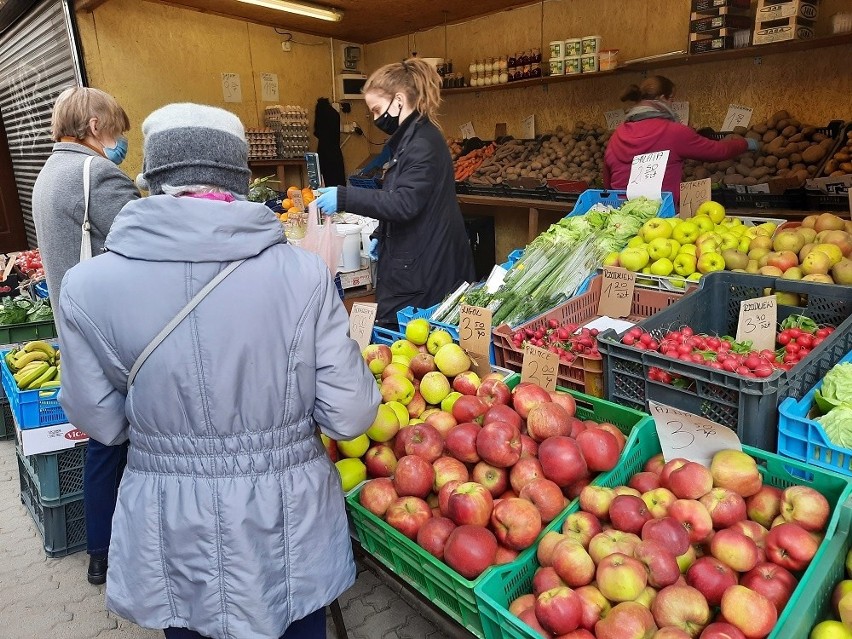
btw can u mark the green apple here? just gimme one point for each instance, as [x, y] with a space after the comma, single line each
[636, 241]
[729, 241]
[684, 264]
[674, 221]
[383, 428]
[437, 339]
[448, 402]
[406, 348]
[401, 413]
[675, 247]
[744, 244]
[403, 360]
[417, 331]
[831, 629]
[687, 249]
[709, 262]
[736, 222]
[663, 266]
[634, 259]
[695, 276]
[686, 232]
[646, 270]
[734, 259]
[654, 228]
[352, 472]
[704, 223]
[354, 447]
[713, 210]
[752, 266]
[611, 259]
[849, 564]
[659, 248]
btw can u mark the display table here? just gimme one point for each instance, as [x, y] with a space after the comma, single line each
[281, 166]
[531, 206]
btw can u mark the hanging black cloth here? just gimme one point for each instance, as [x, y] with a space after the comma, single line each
[327, 132]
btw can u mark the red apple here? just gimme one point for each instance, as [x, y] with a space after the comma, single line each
[690, 481]
[414, 476]
[496, 480]
[503, 413]
[400, 440]
[620, 577]
[544, 579]
[580, 633]
[529, 447]
[516, 523]
[626, 490]
[443, 422]
[805, 506]
[734, 549]
[628, 513]
[421, 364]
[448, 469]
[380, 461]
[595, 606]
[609, 542]
[725, 507]
[669, 532]
[548, 420]
[644, 481]
[426, 442]
[671, 632]
[470, 550]
[469, 408]
[752, 613]
[600, 449]
[505, 556]
[529, 618]
[546, 496]
[628, 620]
[736, 470]
[669, 467]
[499, 444]
[773, 582]
[494, 392]
[470, 503]
[581, 527]
[573, 491]
[573, 563]
[461, 442]
[526, 470]
[544, 552]
[683, 607]
[559, 610]
[597, 500]
[721, 630]
[754, 531]
[655, 464]
[561, 460]
[711, 577]
[433, 535]
[764, 505]
[466, 383]
[659, 501]
[790, 546]
[407, 515]
[694, 517]
[615, 431]
[377, 495]
[331, 448]
[577, 427]
[660, 563]
[522, 603]
[565, 400]
[527, 396]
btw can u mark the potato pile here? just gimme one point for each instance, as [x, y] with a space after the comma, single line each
[841, 162]
[789, 150]
[455, 145]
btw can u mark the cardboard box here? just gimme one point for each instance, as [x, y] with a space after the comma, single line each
[712, 5]
[48, 439]
[356, 278]
[771, 10]
[724, 21]
[831, 185]
[792, 31]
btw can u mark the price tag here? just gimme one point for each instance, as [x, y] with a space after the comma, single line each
[467, 131]
[738, 115]
[269, 87]
[616, 291]
[614, 118]
[231, 88]
[361, 320]
[528, 128]
[692, 195]
[758, 318]
[690, 436]
[475, 336]
[681, 110]
[646, 175]
[298, 201]
[540, 367]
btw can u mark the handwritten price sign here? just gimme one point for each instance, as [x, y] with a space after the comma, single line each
[616, 292]
[690, 436]
[757, 321]
[231, 87]
[692, 195]
[467, 131]
[361, 321]
[540, 367]
[681, 110]
[269, 87]
[737, 115]
[646, 175]
[475, 336]
[614, 118]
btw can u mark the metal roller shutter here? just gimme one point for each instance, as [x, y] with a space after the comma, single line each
[37, 61]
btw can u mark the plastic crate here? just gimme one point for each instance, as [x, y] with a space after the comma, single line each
[615, 199]
[27, 332]
[818, 201]
[497, 190]
[41, 289]
[34, 408]
[512, 259]
[385, 336]
[58, 477]
[585, 373]
[792, 199]
[503, 584]
[749, 406]
[804, 439]
[7, 423]
[448, 590]
[62, 528]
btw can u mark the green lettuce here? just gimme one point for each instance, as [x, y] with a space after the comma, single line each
[838, 425]
[836, 388]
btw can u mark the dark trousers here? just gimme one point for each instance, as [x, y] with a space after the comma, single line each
[101, 477]
[311, 627]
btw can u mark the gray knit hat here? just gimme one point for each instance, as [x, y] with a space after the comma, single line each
[195, 144]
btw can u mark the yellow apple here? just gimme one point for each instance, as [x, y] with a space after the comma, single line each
[635, 242]
[704, 223]
[713, 210]
[687, 249]
[662, 266]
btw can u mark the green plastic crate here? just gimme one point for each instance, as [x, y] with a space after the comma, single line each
[27, 332]
[7, 423]
[58, 476]
[442, 585]
[503, 584]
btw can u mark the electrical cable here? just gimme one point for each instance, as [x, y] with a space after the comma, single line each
[290, 38]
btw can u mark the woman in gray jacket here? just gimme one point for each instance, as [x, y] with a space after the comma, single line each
[230, 520]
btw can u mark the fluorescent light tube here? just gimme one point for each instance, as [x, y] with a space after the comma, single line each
[299, 8]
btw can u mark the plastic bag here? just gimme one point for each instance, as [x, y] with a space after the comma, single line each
[323, 239]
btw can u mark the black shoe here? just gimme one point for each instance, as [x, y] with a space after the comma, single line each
[97, 570]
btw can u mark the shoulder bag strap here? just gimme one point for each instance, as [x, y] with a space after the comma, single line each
[173, 324]
[86, 238]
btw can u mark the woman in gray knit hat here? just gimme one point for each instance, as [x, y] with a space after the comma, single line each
[221, 351]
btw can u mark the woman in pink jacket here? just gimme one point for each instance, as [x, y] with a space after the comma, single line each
[652, 126]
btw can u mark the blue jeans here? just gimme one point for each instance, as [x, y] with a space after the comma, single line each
[101, 477]
[310, 627]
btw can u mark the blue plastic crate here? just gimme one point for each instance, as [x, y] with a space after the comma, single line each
[802, 438]
[385, 336]
[34, 408]
[615, 199]
[41, 289]
[514, 256]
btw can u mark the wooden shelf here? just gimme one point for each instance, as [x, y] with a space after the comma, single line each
[676, 60]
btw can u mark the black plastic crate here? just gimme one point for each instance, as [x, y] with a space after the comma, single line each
[538, 193]
[63, 528]
[818, 201]
[7, 423]
[497, 190]
[58, 476]
[749, 406]
[462, 188]
[793, 199]
[722, 21]
[563, 196]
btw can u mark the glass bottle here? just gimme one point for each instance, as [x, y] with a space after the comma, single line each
[535, 57]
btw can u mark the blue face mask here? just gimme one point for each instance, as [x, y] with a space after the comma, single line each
[118, 152]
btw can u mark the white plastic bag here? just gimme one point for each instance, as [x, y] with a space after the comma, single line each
[323, 239]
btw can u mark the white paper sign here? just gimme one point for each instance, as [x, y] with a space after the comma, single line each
[231, 89]
[646, 175]
[467, 131]
[495, 279]
[269, 87]
[690, 436]
[528, 128]
[604, 322]
[614, 118]
[738, 115]
[681, 110]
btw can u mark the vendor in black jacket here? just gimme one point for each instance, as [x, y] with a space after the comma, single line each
[422, 246]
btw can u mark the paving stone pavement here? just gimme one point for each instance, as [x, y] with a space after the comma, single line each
[50, 598]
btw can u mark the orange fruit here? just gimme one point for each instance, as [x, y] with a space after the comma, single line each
[307, 196]
[292, 190]
[287, 204]
[294, 209]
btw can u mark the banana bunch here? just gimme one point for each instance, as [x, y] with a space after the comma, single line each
[35, 365]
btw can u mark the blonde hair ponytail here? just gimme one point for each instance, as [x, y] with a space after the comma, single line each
[414, 78]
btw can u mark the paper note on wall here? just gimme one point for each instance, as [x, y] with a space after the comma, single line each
[231, 88]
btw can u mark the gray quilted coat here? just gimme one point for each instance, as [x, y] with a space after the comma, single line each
[230, 517]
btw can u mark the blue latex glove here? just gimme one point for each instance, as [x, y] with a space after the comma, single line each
[373, 251]
[327, 201]
[753, 145]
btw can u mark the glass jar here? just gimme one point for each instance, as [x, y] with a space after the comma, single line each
[448, 66]
[504, 77]
[480, 67]
[525, 59]
[495, 76]
[512, 62]
[527, 71]
[503, 64]
[535, 71]
[535, 57]
[472, 68]
[489, 65]
[518, 74]
[486, 81]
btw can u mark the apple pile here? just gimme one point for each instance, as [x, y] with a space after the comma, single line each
[841, 608]
[681, 551]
